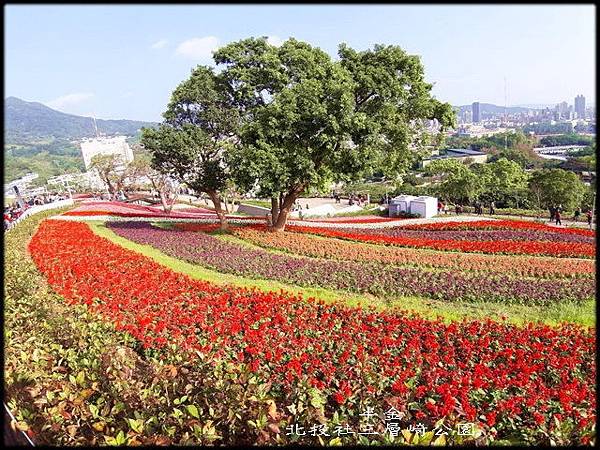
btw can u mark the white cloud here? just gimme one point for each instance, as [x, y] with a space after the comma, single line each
[198, 48]
[275, 40]
[159, 44]
[69, 100]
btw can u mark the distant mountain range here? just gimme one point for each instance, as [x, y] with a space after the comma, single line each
[488, 108]
[28, 121]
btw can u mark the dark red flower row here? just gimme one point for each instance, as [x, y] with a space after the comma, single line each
[561, 249]
[499, 225]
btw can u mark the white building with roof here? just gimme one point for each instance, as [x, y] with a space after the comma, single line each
[116, 145]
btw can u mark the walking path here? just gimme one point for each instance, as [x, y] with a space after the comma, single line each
[118, 211]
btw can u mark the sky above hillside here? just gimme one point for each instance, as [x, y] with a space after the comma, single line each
[124, 61]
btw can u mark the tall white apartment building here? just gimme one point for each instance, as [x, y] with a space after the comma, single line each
[105, 146]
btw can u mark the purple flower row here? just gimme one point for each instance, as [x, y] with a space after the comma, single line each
[374, 278]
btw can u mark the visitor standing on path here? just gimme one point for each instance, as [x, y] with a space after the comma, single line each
[492, 208]
[589, 218]
[577, 214]
[552, 212]
[558, 222]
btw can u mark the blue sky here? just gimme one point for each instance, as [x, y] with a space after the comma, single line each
[124, 61]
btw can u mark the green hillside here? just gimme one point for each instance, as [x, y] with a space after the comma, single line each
[42, 140]
[26, 122]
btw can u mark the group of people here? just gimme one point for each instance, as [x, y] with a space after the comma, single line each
[479, 208]
[12, 213]
[459, 209]
[117, 196]
[15, 210]
[556, 214]
[359, 199]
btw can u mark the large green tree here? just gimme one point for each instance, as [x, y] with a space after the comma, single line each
[458, 183]
[309, 120]
[503, 181]
[556, 186]
[200, 126]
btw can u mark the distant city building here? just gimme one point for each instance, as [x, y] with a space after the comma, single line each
[580, 106]
[88, 179]
[116, 145]
[476, 112]
[561, 111]
[460, 154]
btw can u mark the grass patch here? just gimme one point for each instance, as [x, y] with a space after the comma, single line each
[372, 210]
[262, 203]
[582, 314]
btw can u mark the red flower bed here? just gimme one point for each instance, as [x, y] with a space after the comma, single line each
[562, 249]
[537, 379]
[499, 225]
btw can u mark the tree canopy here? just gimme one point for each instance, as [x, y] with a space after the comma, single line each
[199, 127]
[556, 186]
[308, 120]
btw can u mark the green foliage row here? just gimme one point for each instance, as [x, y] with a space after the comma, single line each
[262, 203]
[510, 139]
[504, 182]
[549, 128]
[73, 380]
[566, 139]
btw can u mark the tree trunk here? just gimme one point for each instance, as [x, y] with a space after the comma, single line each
[274, 210]
[111, 188]
[285, 208]
[226, 206]
[167, 203]
[216, 199]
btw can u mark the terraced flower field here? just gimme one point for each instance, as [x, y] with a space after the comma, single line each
[495, 375]
[205, 362]
[374, 278]
[527, 242]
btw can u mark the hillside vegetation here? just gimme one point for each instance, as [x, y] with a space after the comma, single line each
[25, 122]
